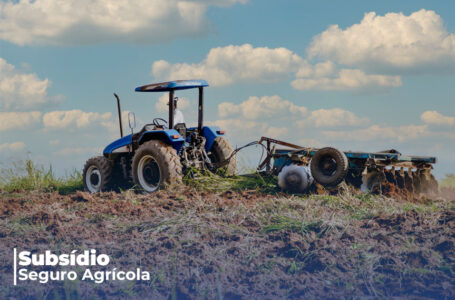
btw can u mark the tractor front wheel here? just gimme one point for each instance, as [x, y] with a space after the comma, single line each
[156, 165]
[97, 174]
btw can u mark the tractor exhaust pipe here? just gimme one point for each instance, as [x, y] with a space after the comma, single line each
[119, 115]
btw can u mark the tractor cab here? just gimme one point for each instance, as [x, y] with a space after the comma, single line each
[161, 152]
[173, 86]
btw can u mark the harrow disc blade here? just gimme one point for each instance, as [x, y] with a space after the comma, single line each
[390, 176]
[399, 176]
[372, 181]
[417, 182]
[408, 182]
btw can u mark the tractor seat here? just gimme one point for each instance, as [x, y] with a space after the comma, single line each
[181, 128]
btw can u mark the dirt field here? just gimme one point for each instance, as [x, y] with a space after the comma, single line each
[239, 245]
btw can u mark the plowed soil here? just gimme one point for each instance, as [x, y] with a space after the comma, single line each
[239, 245]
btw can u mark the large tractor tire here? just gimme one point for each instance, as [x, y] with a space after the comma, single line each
[155, 166]
[97, 174]
[221, 150]
[329, 166]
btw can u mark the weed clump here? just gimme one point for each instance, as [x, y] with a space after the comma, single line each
[28, 176]
[207, 181]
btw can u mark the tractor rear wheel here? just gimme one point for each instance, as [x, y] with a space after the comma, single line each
[329, 166]
[156, 165]
[221, 150]
[97, 174]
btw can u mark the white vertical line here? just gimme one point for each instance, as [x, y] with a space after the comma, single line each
[15, 266]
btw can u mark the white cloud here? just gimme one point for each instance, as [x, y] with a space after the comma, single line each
[277, 132]
[263, 108]
[232, 64]
[432, 117]
[20, 90]
[323, 76]
[11, 147]
[74, 22]
[226, 65]
[161, 106]
[394, 41]
[240, 130]
[377, 132]
[75, 119]
[258, 116]
[305, 142]
[78, 151]
[334, 117]
[19, 120]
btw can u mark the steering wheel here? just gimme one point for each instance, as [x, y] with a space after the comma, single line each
[159, 122]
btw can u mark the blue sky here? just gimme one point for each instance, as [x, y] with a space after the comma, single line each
[374, 82]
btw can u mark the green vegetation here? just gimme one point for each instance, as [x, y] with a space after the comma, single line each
[215, 183]
[28, 176]
[448, 181]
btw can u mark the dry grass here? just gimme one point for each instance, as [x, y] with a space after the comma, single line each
[237, 237]
[245, 244]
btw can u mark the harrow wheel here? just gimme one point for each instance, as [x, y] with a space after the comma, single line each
[329, 166]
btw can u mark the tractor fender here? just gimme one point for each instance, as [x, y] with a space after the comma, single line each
[168, 136]
[211, 133]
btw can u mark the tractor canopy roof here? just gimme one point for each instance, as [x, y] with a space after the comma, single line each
[172, 85]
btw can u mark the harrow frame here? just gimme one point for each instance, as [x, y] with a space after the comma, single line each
[412, 173]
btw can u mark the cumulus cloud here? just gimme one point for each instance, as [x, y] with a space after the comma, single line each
[226, 65]
[162, 107]
[19, 90]
[19, 120]
[232, 64]
[11, 147]
[394, 41]
[74, 22]
[334, 117]
[377, 132]
[277, 132]
[78, 151]
[75, 119]
[254, 117]
[324, 76]
[266, 107]
[242, 131]
[432, 117]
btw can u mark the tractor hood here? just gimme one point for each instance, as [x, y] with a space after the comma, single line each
[117, 146]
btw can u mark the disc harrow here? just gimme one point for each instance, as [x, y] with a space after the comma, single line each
[385, 172]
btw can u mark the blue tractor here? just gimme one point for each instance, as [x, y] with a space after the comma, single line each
[161, 152]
